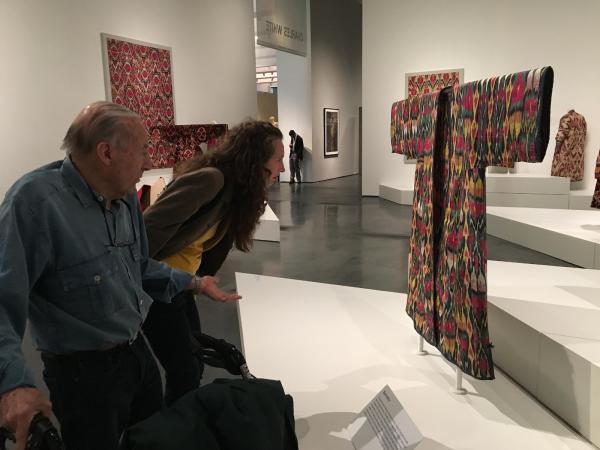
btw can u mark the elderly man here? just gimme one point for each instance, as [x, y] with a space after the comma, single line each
[73, 258]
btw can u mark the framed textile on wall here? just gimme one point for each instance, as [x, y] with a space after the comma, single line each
[331, 121]
[418, 83]
[170, 144]
[139, 76]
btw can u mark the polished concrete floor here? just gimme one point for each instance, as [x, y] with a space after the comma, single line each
[331, 234]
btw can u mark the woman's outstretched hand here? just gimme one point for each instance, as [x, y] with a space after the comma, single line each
[208, 285]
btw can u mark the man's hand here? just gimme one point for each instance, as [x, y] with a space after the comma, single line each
[18, 407]
[208, 285]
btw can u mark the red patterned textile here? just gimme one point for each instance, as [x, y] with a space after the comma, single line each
[140, 78]
[570, 142]
[596, 197]
[173, 143]
[425, 83]
[455, 134]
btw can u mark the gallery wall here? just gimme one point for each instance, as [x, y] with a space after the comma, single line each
[336, 82]
[293, 105]
[267, 105]
[52, 66]
[484, 38]
[328, 77]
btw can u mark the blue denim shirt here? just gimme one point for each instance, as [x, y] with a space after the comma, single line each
[80, 272]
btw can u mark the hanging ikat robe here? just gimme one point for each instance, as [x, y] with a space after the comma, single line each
[596, 197]
[455, 134]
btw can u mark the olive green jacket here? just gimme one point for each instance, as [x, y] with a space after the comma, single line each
[188, 207]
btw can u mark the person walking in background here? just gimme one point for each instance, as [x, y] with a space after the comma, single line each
[296, 155]
[213, 202]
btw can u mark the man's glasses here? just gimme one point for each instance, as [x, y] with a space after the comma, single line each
[121, 232]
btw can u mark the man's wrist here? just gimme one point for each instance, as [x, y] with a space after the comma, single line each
[196, 284]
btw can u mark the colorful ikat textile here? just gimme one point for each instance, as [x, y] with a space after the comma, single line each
[173, 143]
[140, 78]
[596, 197]
[426, 82]
[455, 134]
[570, 142]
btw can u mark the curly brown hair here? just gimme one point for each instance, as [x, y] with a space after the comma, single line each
[242, 157]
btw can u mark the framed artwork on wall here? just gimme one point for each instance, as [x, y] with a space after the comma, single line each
[331, 121]
[139, 76]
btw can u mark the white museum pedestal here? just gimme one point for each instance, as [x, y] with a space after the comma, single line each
[570, 235]
[268, 227]
[527, 190]
[150, 176]
[396, 193]
[335, 347]
[515, 189]
[581, 200]
[544, 324]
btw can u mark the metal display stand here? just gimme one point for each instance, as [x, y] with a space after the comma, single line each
[458, 389]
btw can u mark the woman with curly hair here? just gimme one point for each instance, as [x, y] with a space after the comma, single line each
[213, 202]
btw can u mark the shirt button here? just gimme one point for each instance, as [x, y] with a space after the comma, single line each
[97, 279]
[100, 198]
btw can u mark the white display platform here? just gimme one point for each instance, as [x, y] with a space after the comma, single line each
[570, 235]
[396, 194]
[544, 324]
[581, 200]
[268, 227]
[150, 176]
[522, 190]
[335, 347]
[526, 183]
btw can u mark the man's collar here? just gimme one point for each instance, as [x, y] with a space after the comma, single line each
[82, 190]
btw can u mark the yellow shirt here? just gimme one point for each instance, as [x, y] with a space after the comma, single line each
[189, 258]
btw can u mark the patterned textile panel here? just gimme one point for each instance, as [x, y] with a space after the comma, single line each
[426, 83]
[140, 79]
[500, 120]
[596, 197]
[413, 125]
[568, 158]
[173, 143]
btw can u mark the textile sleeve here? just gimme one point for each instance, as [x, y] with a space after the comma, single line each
[563, 130]
[182, 198]
[413, 125]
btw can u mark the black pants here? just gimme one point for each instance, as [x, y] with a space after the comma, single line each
[295, 164]
[96, 395]
[169, 325]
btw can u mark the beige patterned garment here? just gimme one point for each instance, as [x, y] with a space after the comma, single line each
[570, 141]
